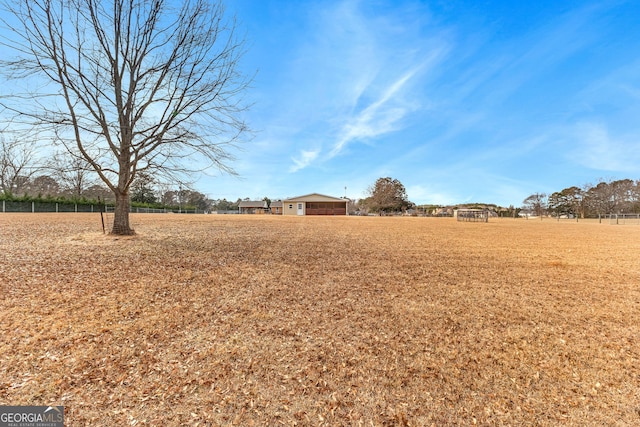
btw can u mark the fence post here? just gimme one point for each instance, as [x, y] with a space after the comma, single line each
[3, 211]
[33, 207]
[56, 207]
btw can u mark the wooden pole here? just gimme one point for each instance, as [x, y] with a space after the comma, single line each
[101, 216]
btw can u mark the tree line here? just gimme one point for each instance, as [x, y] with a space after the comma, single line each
[588, 201]
[25, 176]
[388, 195]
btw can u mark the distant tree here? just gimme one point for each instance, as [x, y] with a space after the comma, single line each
[510, 212]
[558, 205]
[387, 195]
[363, 206]
[567, 202]
[354, 207]
[186, 198]
[600, 199]
[128, 85]
[623, 192]
[97, 191]
[224, 205]
[43, 185]
[195, 199]
[635, 206]
[536, 204]
[142, 190]
[73, 173]
[17, 165]
[169, 197]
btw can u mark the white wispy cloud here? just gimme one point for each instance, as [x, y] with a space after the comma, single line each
[598, 149]
[356, 76]
[304, 159]
[380, 117]
[427, 194]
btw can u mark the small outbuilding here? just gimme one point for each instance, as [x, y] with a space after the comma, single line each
[252, 206]
[276, 207]
[472, 215]
[314, 204]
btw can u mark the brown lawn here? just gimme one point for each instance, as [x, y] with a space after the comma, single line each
[265, 320]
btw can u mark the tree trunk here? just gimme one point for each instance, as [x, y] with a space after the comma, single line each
[121, 215]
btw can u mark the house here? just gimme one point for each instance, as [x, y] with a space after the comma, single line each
[252, 206]
[314, 204]
[276, 207]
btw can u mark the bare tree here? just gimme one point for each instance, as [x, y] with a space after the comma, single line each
[623, 194]
[131, 85]
[17, 165]
[73, 173]
[98, 192]
[43, 185]
[195, 199]
[170, 197]
[601, 199]
[536, 204]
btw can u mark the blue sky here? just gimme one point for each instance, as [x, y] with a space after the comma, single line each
[462, 101]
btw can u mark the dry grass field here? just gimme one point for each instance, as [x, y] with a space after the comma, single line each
[261, 320]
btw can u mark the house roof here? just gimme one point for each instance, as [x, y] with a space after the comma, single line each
[276, 204]
[315, 197]
[252, 204]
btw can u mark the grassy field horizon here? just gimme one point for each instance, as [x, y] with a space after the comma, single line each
[269, 320]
